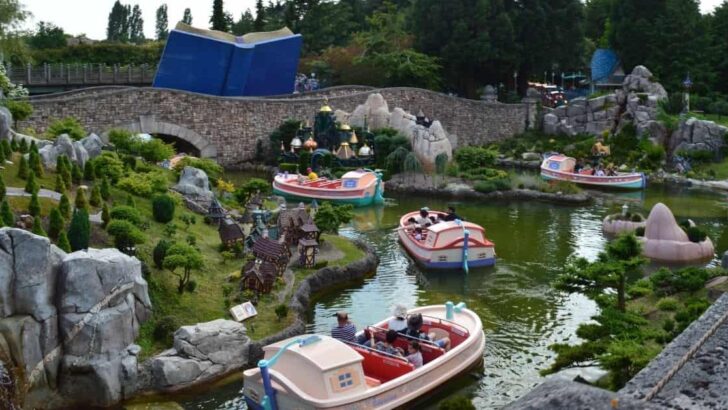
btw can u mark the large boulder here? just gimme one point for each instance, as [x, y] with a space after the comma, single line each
[63, 145]
[724, 261]
[93, 145]
[6, 121]
[81, 154]
[428, 143]
[201, 353]
[195, 187]
[374, 113]
[699, 135]
[640, 81]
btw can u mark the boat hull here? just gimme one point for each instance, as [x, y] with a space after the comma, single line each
[398, 392]
[630, 181]
[357, 202]
[370, 194]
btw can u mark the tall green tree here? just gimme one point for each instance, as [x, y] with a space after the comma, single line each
[217, 20]
[55, 224]
[117, 28]
[136, 25]
[79, 232]
[6, 213]
[245, 24]
[38, 227]
[185, 258]
[187, 16]
[64, 205]
[63, 242]
[47, 35]
[12, 15]
[162, 23]
[717, 28]
[34, 205]
[259, 23]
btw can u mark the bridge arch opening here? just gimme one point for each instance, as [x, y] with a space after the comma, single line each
[183, 138]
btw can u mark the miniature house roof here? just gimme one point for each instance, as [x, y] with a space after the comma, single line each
[295, 217]
[265, 247]
[309, 227]
[230, 231]
[265, 271]
[215, 210]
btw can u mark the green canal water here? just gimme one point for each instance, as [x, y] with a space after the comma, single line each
[522, 315]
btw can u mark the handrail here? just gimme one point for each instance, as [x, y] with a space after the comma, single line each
[415, 339]
[467, 332]
[374, 350]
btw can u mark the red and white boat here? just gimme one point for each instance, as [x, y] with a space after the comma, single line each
[561, 168]
[359, 188]
[447, 245]
[319, 372]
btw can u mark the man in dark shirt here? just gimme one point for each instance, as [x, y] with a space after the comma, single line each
[451, 215]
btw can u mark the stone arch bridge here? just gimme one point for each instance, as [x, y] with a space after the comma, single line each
[227, 128]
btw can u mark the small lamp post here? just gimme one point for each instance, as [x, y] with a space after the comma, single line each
[625, 208]
[307, 249]
[515, 81]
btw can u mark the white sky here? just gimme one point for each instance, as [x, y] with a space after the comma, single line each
[90, 16]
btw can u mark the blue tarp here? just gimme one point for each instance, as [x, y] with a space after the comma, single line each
[225, 65]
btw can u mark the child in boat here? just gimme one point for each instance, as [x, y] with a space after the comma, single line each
[386, 346]
[399, 322]
[411, 225]
[414, 354]
[311, 175]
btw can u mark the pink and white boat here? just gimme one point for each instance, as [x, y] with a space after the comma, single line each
[447, 245]
[319, 372]
[359, 188]
[560, 167]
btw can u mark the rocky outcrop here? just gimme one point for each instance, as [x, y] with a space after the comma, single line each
[63, 145]
[635, 103]
[666, 241]
[724, 261]
[201, 353]
[93, 145]
[195, 188]
[68, 321]
[6, 121]
[428, 141]
[699, 135]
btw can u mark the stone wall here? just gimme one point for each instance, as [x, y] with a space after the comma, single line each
[230, 126]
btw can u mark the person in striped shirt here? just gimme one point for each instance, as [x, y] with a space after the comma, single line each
[344, 329]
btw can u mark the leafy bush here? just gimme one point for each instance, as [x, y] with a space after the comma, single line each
[211, 168]
[191, 286]
[281, 311]
[108, 165]
[386, 141]
[20, 109]
[624, 142]
[641, 288]
[249, 188]
[640, 231]
[475, 157]
[329, 217]
[68, 125]
[144, 184]
[667, 282]
[286, 167]
[696, 234]
[126, 235]
[126, 213]
[160, 251]
[153, 150]
[163, 208]
[164, 329]
[698, 156]
[668, 304]
[694, 307]
[636, 218]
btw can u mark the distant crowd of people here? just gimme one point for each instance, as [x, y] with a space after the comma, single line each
[304, 83]
[401, 324]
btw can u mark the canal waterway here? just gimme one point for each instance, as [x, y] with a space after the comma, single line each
[521, 313]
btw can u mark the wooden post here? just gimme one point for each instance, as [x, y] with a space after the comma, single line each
[85, 73]
[101, 67]
[45, 73]
[116, 73]
[68, 74]
[128, 79]
[28, 73]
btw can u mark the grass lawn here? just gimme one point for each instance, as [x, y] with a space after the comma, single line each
[10, 176]
[723, 119]
[719, 168]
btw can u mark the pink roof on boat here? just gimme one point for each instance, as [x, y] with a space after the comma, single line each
[444, 226]
[355, 174]
[559, 158]
[325, 354]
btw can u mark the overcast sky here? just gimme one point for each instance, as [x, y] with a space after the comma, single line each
[90, 16]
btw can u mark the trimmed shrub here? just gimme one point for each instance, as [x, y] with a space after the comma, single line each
[668, 304]
[8, 218]
[281, 311]
[23, 167]
[95, 199]
[126, 235]
[80, 230]
[475, 157]
[164, 329]
[286, 167]
[68, 125]
[163, 207]
[160, 251]
[105, 214]
[696, 234]
[55, 224]
[63, 242]
[211, 168]
[108, 165]
[126, 213]
[81, 201]
[89, 173]
[38, 227]
[64, 205]
[105, 189]
[34, 206]
[143, 185]
[31, 186]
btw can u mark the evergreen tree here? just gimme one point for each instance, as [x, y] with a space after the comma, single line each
[3, 189]
[187, 17]
[76, 174]
[105, 189]
[34, 206]
[33, 147]
[89, 173]
[217, 20]
[136, 25]
[117, 29]
[60, 185]
[81, 201]
[162, 23]
[105, 217]
[717, 27]
[7, 214]
[38, 227]
[2, 155]
[64, 205]
[35, 164]
[259, 23]
[23, 168]
[63, 168]
[31, 186]
[23, 146]
[8, 149]
[95, 199]
[63, 242]
[80, 230]
[245, 24]
[55, 224]
[14, 145]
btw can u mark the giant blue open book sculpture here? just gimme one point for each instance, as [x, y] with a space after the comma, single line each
[218, 63]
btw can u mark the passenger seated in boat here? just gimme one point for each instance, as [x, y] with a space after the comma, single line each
[414, 354]
[411, 225]
[414, 324]
[434, 219]
[599, 172]
[423, 219]
[418, 233]
[386, 346]
[344, 330]
[399, 322]
[578, 167]
[610, 171]
[451, 215]
[311, 175]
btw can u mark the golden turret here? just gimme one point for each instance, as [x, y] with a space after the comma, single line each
[325, 107]
[354, 139]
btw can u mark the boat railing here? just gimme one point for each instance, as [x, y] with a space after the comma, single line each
[449, 322]
[373, 350]
[408, 337]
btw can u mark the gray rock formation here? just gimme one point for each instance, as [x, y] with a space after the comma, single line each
[427, 142]
[195, 187]
[636, 102]
[724, 261]
[201, 353]
[63, 145]
[699, 135]
[93, 145]
[69, 320]
[6, 121]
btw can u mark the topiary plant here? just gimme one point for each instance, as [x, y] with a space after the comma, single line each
[163, 207]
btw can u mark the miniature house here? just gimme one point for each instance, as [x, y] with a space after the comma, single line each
[230, 233]
[272, 251]
[259, 275]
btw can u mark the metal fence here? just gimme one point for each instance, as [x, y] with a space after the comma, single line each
[80, 74]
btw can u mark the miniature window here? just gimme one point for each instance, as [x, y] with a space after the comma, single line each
[443, 258]
[482, 255]
[349, 183]
[343, 379]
